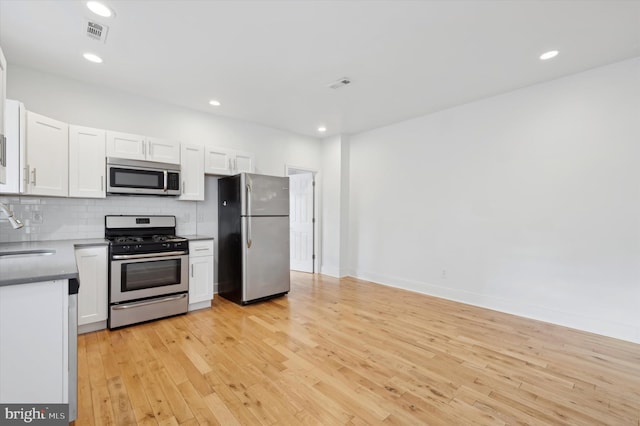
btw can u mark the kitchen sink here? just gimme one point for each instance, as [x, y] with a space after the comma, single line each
[21, 253]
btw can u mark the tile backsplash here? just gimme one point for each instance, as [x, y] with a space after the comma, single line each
[49, 218]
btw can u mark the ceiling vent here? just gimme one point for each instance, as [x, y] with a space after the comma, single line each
[96, 31]
[339, 83]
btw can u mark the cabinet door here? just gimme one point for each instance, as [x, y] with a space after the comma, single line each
[244, 162]
[14, 126]
[163, 151]
[200, 279]
[86, 162]
[218, 161]
[124, 145]
[192, 170]
[92, 296]
[47, 156]
[3, 140]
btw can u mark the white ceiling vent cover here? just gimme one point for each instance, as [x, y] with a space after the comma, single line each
[96, 31]
[341, 82]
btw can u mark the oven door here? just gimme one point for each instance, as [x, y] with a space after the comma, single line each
[140, 276]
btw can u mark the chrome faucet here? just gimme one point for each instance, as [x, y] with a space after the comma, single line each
[14, 221]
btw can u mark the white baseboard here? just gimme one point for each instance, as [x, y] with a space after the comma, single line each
[628, 332]
[200, 305]
[94, 326]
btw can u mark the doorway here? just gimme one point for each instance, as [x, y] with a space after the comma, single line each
[302, 219]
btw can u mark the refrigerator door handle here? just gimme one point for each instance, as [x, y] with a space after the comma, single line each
[248, 232]
[248, 187]
[248, 194]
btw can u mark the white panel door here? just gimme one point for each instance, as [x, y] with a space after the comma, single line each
[124, 145]
[87, 162]
[244, 162]
[192, 171]
[14, 127]
[301, 221]
[163, 150]
[47, 156]
[93, 293]
[200, 279]
[217, 161]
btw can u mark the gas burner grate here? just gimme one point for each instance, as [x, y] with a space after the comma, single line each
[127, 239]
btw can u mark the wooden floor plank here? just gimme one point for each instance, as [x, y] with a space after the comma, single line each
[346, 351]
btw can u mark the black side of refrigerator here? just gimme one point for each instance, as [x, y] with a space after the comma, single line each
[229, 239]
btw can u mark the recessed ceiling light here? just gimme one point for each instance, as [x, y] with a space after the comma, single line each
[322, 129]
[99, 9]
[548, 55]
[214, 102]
[93, 58]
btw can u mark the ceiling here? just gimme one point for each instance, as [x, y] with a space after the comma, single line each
[270, 62]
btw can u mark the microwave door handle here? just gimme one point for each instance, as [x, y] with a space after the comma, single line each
[165, 180]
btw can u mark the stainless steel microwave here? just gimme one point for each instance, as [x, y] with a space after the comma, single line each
[142, 177]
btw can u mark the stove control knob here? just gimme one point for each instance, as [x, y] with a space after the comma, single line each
[166, 245]
[125, 247]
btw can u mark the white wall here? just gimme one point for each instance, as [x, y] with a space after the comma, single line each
[96, 106]
[335, 206]
[330, 205]
[528, 202]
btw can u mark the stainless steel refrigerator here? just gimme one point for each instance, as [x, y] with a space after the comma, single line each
[253, 237]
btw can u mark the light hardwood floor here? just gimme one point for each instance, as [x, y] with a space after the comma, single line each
[352, 352]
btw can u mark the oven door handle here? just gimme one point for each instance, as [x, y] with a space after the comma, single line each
[148, 256]
[151, 302]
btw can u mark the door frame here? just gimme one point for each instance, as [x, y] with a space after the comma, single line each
[290, 169]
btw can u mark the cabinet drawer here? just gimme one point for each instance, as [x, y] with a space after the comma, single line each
[201, 248]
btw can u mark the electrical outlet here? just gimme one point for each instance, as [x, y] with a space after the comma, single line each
[36, 217]
[444, 274]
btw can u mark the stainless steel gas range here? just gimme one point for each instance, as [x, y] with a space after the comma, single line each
[148, 269]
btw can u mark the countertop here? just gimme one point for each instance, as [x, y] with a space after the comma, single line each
[60, 265]
[197, 237]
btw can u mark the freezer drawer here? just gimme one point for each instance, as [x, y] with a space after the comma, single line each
[265, 254]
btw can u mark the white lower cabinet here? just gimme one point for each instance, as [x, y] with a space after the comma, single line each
[34, 349]
[200, 274]
[93, 300]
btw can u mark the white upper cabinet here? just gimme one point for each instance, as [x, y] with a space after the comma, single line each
[14, 114]
[124, 145]
[218, 161]
[47, 156]
[3, 140]
[86, 162]
[192, 171]
[244, 162]
[163, 150]
[223, 161]
[136, 147]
